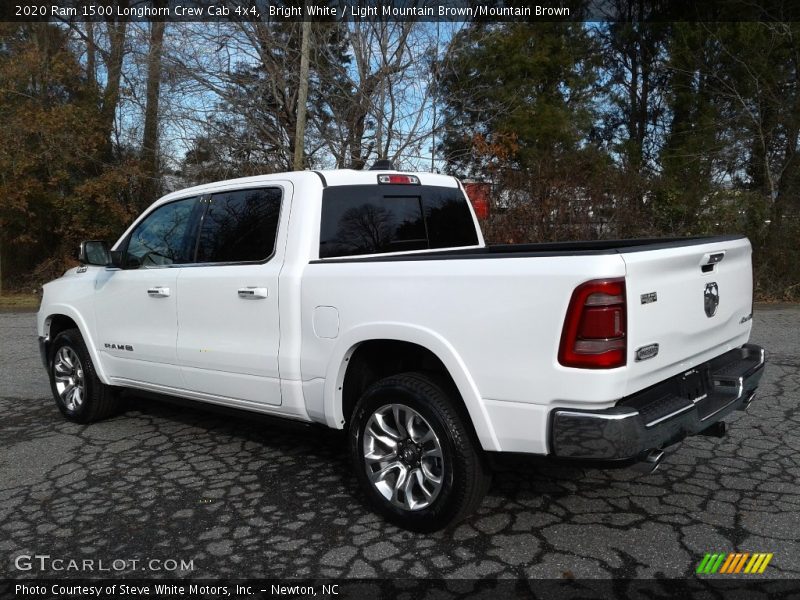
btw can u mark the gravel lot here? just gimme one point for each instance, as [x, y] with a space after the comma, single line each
[245, 498]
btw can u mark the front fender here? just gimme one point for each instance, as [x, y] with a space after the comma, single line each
[69, 311]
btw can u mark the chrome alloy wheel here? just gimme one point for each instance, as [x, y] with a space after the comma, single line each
[68, 374]
[403, 457]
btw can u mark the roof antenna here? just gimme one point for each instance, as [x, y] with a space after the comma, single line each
[382, 164]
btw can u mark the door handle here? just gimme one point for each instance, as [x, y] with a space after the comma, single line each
[710, 260]
[253, 292]
[158, 292]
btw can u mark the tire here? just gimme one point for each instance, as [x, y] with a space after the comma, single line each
[398, 471]
[79, 394]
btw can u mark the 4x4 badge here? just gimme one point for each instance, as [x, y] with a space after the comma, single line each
[711, 299]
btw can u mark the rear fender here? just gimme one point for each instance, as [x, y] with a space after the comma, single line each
[432, 341]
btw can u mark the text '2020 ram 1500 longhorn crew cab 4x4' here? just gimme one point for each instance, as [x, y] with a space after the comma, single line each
[368, 301]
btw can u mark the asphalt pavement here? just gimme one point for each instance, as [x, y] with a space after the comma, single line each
[213, 496]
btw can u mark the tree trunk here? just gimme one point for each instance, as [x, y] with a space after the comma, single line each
[116, 55]
[91, 57]
[151, 113]
[302, 99]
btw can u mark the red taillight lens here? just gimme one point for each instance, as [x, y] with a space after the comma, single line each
[601, 323]
[594, 328]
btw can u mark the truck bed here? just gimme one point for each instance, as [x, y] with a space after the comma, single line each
[591, 247]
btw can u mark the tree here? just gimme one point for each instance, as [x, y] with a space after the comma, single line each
[633, 50]
[761, 91]
[108, 41]
[57, 185]
[377, 84]
[692, 157]
[368, 88]
[251, 91]
[149, 153]
[48, 128]
[519, 111]
[302, 98]
[757, 83]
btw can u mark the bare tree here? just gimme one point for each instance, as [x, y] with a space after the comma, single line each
[240, 87]
[370, 89]
[151, 112]
[302, 98]
[109, 43]
[149, 153]
[382, 98]
[761, 94]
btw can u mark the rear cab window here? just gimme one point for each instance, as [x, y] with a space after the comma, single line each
[378, 219]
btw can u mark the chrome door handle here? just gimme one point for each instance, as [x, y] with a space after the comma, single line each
[158, 292]
[253, 292]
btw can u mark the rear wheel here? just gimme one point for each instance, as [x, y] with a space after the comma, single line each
[415, 454]
[78, 392]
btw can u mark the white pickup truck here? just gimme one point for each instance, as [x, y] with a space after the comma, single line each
[368, 301]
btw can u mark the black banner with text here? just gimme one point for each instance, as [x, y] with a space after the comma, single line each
[409, 589]
[396, 10]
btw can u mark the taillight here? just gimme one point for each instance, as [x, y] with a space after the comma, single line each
[399, 179]
[594, 328]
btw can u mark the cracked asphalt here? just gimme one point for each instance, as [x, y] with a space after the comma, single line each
[244, 498]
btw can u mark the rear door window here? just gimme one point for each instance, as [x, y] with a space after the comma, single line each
[376, 219]
[239, 226]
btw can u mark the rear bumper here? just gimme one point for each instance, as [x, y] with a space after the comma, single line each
[660, 415]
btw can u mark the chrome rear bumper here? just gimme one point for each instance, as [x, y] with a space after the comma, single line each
[663, 414]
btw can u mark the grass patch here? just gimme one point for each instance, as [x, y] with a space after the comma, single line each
[19, 301]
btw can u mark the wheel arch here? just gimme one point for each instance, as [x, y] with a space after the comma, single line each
[63, 317]
[351, 370]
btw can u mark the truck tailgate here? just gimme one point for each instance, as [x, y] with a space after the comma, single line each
[694, 301]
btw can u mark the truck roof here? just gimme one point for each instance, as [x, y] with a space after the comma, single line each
[353, 177]
[334, 177]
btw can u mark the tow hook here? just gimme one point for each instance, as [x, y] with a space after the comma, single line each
[650, 462]
[717, 430]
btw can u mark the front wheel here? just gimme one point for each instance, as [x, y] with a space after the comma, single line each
[415, 455]
[77, 390]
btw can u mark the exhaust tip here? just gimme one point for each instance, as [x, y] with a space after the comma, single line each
[651, 461]
[746, 404]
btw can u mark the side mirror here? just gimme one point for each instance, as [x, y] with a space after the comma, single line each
[94, 252]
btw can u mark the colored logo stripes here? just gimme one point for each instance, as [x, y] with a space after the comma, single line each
[736, 562]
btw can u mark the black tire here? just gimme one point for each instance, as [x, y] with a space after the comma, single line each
[98, 400]
[465, 475]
